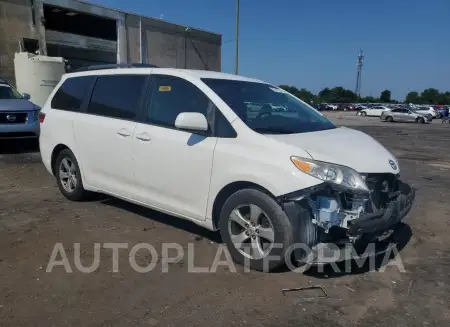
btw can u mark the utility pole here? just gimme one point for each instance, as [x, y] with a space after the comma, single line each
[236, 69]
[359, 65]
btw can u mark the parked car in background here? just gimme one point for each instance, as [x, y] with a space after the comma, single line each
[359, 107]
[19, 118]
[427, 109]
[405, 115]
[322, 107]
[267, 182]
[375, 111]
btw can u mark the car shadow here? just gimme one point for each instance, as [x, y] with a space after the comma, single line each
[18, 146]
[154, 215]
[399, 238]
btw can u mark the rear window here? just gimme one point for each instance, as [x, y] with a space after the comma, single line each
[71, 93]
[117, 96]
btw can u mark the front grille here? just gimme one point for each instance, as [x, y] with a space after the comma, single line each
[13, 117]
[382, 188]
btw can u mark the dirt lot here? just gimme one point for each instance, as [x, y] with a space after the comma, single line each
[34, 216]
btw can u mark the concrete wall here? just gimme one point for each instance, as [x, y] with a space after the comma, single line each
[15, 24]
[163, 44]
[170, 45]
[133, 38]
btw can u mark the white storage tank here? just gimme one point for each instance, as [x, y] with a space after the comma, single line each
[37, 75]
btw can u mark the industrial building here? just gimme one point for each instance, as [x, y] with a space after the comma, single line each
[86, 34]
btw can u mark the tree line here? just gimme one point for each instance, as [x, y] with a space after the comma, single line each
[342, 95]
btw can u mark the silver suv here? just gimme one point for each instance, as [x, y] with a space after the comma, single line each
[19, 118]
[405, 115]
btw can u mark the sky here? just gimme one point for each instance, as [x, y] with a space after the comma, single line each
[313, 44]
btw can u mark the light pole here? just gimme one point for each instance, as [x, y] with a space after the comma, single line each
[236, 69]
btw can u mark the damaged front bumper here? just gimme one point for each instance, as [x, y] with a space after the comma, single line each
[383, 219]
[356, 216]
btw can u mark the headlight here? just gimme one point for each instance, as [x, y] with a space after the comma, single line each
[340, 175]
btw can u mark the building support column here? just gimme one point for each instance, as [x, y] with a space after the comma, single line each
[39, 24]
[122, 55]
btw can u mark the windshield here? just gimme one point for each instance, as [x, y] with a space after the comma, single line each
[267, 109]
[8, 93]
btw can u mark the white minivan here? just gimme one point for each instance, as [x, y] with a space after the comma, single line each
[210, 147]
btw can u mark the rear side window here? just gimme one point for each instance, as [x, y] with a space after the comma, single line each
[71, 93]
[117, 96]
[172, 96]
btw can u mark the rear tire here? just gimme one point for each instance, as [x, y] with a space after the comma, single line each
[363, 113]
[252, 245]
[68, 177]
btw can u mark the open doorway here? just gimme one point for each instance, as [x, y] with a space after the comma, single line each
[80, 38]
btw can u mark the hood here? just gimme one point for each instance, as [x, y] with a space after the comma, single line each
[344, 146]
[16, 105]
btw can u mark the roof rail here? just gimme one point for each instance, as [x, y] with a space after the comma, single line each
[113, 66]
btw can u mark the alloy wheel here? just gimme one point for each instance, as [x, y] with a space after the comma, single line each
[251, 231]
[68, 175]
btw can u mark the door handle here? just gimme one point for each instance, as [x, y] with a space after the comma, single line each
[143, 137]
[124, 133]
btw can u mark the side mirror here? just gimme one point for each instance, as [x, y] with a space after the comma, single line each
[26, 96]
[193, 121]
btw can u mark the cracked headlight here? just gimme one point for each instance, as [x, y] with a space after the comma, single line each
[340, 175]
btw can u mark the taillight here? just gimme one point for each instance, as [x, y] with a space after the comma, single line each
[41, 117]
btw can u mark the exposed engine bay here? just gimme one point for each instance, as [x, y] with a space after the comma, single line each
[332, 207]
[329, 214]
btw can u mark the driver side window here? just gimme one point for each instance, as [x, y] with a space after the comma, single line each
[172, 96]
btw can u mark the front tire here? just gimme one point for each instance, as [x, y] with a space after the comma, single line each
[364, 114]
[68, 176]
[420, 120]
[389, 119]
[255, 227]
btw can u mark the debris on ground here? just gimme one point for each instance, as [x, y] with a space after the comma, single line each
[349, 288]
[305, 290]
[410, 287]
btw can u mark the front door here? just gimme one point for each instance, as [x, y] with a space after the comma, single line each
[173, 167]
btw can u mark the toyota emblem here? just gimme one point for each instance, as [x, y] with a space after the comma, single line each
[393, 164]
[11, 118]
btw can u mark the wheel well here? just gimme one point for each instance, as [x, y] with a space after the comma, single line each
[55, 153]
[226, 192]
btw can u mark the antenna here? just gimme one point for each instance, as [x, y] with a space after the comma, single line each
[359, 66]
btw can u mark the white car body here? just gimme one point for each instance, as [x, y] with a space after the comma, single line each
[181, 173]
[333, 106]
[427, 110]
[374, 111]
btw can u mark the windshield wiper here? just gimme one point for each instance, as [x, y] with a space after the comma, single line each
[272, 130]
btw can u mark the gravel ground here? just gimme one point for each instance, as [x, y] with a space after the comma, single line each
[34, 217]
